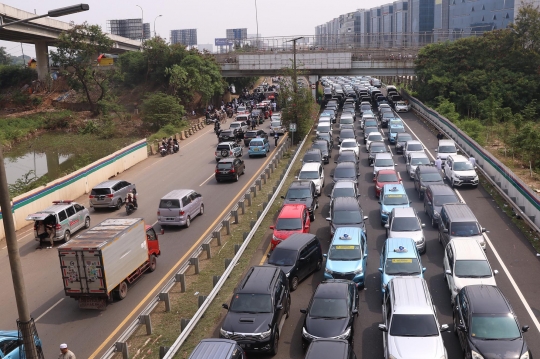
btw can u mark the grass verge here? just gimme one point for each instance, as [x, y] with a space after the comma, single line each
[13, 129]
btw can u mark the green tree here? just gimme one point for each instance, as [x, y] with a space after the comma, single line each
[5, 58]
[160, 109]
[76, 52]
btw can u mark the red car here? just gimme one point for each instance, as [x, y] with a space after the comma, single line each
[385, 177]
[293, 218]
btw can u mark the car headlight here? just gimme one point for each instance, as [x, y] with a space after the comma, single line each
[276, 238]
[384, 286]
[306, 335]
[423, 188]
[359, 270]
[224, 333]
[475, 355]
[266, 334]
[422, 240]
[436, 214]
[378, 188]
[287, 275]
[399, 145]
[390, 356]
[525, 355]
[385, 212]
[345, 334]
[456, 176]
[328, 271]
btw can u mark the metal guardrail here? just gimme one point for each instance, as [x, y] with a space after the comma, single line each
[120, 344]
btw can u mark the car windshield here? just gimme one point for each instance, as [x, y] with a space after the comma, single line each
[226, 133]
[241, 109]
[288, 224]
[323, 128]
[347, 121]
[377, 149]
[298, 193]
[275, 123]
[328, 308]
[430, 177]
[365, 108]
[283, 257]
[387, 177]
[251, 303]
[384, 162]
[375, 137]
[312, 157]
[368, 130]
[308, 175]
[402, 266]
[250, 134]
[169, 203]
[440, 200]
[100, 191]
[447, 149]
[414, 147]
[414, 325]
[345, 253]
[464, 229]
[346, 134]
[347, 156]
[348, 144]
[404, 138]
[405, 224]
[343, 192]
[419, 161]
[463, 166]
[371, 123]
[234, 125]
[348, 217]
[256, 143]
[224, 166]
[395, 199]
[324, 136]
[492, 327]
[344, 172]
[397, 129]
[472, 269]
[401, 103]
[321, 146]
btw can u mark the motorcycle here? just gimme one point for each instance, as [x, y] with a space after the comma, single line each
[130, 208]
[176, 147]
[163, 150]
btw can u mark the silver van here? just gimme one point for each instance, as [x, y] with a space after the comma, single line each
[457, 220]
[110, 194]
[179, 207]
[446, 148]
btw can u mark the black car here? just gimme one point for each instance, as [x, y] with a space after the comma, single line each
[387, 117]
[249, 135]
[257, 115]
[324, 146]
[326, 137]
[346, 134]
[229, 169]
[330, 348]
[331, 312]
[229, 135]
[435, 196]
[347, 156]
[303, 192]
[374, 148]
[486, 324]
[298, 257]
[346, 171]
[313, 155]
[346, 212]
[401, 140]
[424, 175]
[258, 308]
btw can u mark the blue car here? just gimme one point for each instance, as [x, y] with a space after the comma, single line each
[11, 347]
[258, 147]
[392, 196]
[347, 257]
[393, 131]
[399, 258]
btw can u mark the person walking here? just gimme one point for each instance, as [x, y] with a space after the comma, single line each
[50, 231]
[472, 160]
[440, 136]
[65, 353]
[276, 138]
[438, 163]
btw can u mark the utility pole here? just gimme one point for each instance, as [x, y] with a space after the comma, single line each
[295, 84]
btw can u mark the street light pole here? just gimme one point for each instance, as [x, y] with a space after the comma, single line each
[142, 22]
[295, 77]
[68, 10]
[257, 21]
[155, 24]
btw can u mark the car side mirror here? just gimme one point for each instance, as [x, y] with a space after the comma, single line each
[329, 195]
[444, 327]
[386, 225]
[436, 150]
[461, 328]
[382, 328]
[325, 255]
[410, 202]
[483, 230]
[423, 225]
[428, 203]
[328, 219]
[424, 269]
[271, 227]
[372, 165]
[225, 306]
[295, 177]
[495, 271]
[525, 328]
[445, 230]
[304, 311]
[355, 311]
[335, 161]
[267, 255]
[448, 271]
[379, 202]
[283, 197]
[380, 270]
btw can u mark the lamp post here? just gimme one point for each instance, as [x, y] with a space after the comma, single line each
[142, 22]
[257, 21]
[155, 24]
[295, 85]
[68, 10]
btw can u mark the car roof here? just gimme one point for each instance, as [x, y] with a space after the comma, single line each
[258, 279]
[318, 150]
[487, 299]
[467, 249]
[343, 203]
[375, 144]
[387, 171]
[417, 154]
[414, 141]
[427, 168]
[374, 133]
[57, 207]
[344, 184]
[296, 241]
[409, 294]
[226, 160]
[394, 188]
[394, 243]
[226, 143]
[324, 348]
[441, 189]
[107, 184]
[446, 142]
[311, 166]
[332, 289]
[346, 164]
[386, 155]
[291, 210]
[402, 134]
[459, 158]
[300, 183]
[346, 235]
[349, 140]
[459, 211]
[177, 193]
[346, 130]
[404, 212]
[214, 348]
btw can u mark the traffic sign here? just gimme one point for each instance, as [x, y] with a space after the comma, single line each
[292, 127]
[313, 86]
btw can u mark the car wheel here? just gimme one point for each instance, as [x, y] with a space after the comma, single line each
[288, 307]
[433, 223]
[319, 265]
[241, 153]
[265, 153]
[218, 180]
[119, 203]
[201, 210]
[454, 329]
[236, 178]
[312, 217]
[440, 239]
[250, 156]
[452, 183]
[121, 291]
[87, 223]
[67, 236]
[153, 263]
[425, 208]
[275, 344]
[294, 283]
[188, 222]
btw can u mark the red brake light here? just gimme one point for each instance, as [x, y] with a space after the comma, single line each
[230, 153]
[58, 226]
[158, 213]
[182, 213]
[91, 196]
[110, 195]
[217, 171]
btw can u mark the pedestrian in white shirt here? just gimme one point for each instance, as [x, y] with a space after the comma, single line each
[438, 163]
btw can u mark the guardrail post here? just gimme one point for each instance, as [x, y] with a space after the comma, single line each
[259, 214]
[147, 321]
[235, 215]
[258, 184]
[242, 206]
[207, 249]
[195, 262]
[202, 298]
[215, 279]
[270, 196]
[163, 351]
[264, 205]
[217, 236]
[164, 297]
[236, 248]
[281, 177]
[181, 278]
[183, 323]
[122, 347]
[244, 236]
[263, 178]
[254, 190]
[227, 262]
[227, 225]
[248, 198]
[267, 171]
[252, 223]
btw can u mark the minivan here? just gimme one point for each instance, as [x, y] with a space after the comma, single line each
[180, 207]
[324, 348]
[435, 196]
[110, 194]
[446, 148]
[457, 220]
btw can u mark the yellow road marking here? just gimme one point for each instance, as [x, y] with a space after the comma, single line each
[265, 254]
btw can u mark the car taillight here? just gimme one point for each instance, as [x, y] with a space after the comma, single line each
[230, 153]
[217, 171]
[110, 195]
[91, 196]
[58, 226]
[232, 170]
[158, 213]
[181, 213]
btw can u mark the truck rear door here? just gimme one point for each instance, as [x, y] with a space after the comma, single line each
[82, 272]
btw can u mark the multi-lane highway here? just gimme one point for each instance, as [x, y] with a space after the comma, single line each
[88, 332]
[508, 251]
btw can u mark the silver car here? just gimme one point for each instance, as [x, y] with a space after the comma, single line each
[404, 223]
[414, 159]
[412, 146]
[110, 194]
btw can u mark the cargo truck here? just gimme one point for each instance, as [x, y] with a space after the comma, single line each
[100, 263]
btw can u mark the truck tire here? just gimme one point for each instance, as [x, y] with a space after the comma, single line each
[121, 291]
[153, 263]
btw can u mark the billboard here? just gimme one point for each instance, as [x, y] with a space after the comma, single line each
[222, 41]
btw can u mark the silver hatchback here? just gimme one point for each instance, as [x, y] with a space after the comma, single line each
[110, 194]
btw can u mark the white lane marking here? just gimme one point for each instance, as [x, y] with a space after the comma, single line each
[48, 310]
[206, 180]
[418, 138]
[505, 269]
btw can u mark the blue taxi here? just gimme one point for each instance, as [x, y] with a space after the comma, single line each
[347, 257]
[393, 130]
[399, 258]
[258, 146]
[392, 196]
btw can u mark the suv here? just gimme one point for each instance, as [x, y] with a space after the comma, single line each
[249, 135]
[460, 171]
[424, 175]
[404, 223]
[240, 125]
[411, 147]
[228, 149]
[374, 148]
[110, 194]
[446, 148]
[383, 161]
[413, 160]
[229, 135]
[457, 220]
[303, 192]
[346, 171]
[324, 146]
[313, 172]
[434, 197]
[67, 217]
[401, 140]
[313, 155]
[392, 196]
[258, 310]
[217, 349]
[229, 168]
[346, 212]
[292, 218]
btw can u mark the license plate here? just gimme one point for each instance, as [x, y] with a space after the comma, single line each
[255, 149]
[169, 218]
[92, 303]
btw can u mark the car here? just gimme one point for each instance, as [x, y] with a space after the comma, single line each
[347, 156]
[465, 263]
[241, 110]
[446, 148]
[368, 131]
[385, 110]
[215, 348]
[365, 107]
[229, 168]
[375, 148]
[346, 171]
[324, 147]
[276, 116]
[347, 127]
[413, 160]
[303, 192]
[258, 147]
[231, 135]
[251, 134]
[346, 212]
[459, 171]
[369, 121]
[292, 218]
[457, 220]
[328, 114]
[486, 324]
[331, 312]
[392, 196]
[411, 147]
[228, 149]
[346, 119]
[402, 106]
[313, 155]
[110, 194]
[313, 172]
[435, 196]
[383, 161]
[346, 134]
[179, 207]
[399, 258]
[349, 112]
[347, 256]
[424, 175]
[240, 125]
[66, 217]
[374, 137]
[387, 117]
[383, 177]
[344, 189]
[349, 145]
[401, 140]
[324, 127]
[326, 137]
[396, 121]
[298, 257]
[404, 222]
[258, 309]
[257, 115]
[326, 348]
[393, 131]
[276, 126]
[12, 347]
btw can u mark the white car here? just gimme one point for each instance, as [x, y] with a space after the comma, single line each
[374, 137]
[402, 106]
[276, 126]
[414, 159]
[460, 171]
[404, 223]
[349, 145]
[313, 172]
[446, 148]
[276, 116]
[383, 161]
[412, 146]
[240, 125]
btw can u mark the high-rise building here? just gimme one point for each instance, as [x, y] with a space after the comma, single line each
[131, 28]
[186, 37]
[237, 34]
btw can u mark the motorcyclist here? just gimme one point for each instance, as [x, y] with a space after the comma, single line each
[170, 145]
[176, 144]
[217, 126]
[132, 198]
[276, 138]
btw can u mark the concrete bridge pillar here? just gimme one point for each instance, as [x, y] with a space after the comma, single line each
[313, 79]
[42, 58]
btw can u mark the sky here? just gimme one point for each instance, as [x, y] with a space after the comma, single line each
[209, 17]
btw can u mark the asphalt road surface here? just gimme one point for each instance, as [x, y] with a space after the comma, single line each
[58, 318]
